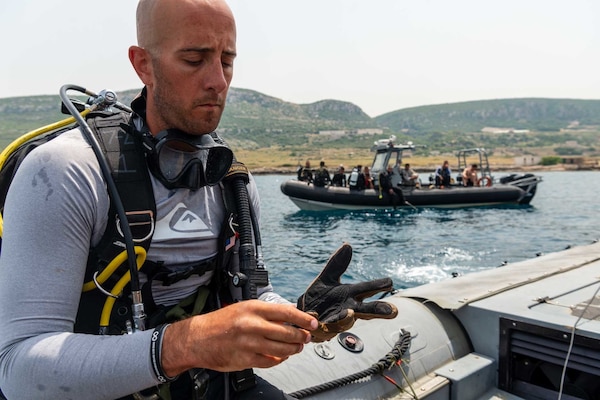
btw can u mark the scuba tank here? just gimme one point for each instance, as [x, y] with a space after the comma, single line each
[353, 181]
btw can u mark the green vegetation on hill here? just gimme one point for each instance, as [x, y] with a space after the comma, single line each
[534, 114]
[254, 120]
[267, 120]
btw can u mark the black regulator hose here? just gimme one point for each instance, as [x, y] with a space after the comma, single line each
[247, 254]
[252, 274]
[401, 346]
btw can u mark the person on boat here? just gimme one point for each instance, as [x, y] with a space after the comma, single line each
[305, 173]
[409, 176]
[469, 176]
[339, 178]
[443, 175]
[387, 189]
[357, 179]
[322, 177]
[368, 178]
[184, 58]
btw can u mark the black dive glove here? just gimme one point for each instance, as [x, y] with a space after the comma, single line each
[338, 305]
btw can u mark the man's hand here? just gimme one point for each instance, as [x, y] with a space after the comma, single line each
[338, 305]
[243, 335]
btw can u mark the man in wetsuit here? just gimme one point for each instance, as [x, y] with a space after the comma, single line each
[386, 189]
[339, 178]
[443, 175]
[305, 173]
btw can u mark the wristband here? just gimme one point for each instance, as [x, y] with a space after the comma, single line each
[155, 352]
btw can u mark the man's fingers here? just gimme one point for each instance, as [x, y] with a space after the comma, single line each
[285, 313]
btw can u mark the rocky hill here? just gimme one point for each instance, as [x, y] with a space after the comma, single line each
[259, 120]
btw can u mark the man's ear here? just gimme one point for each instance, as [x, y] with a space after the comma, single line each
[142, 64]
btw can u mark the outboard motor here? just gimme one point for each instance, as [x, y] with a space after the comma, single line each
[509, 178]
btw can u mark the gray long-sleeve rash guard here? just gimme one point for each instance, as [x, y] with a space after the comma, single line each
[56, 208]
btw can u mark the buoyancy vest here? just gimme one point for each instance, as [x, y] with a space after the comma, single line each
[129, 171]
[238, 278]
[126, 158]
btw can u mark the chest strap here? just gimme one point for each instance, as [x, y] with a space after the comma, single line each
[157, 271]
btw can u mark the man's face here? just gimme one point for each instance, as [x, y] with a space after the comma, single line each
[192, 67]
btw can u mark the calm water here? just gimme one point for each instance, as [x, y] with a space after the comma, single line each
[414, 247]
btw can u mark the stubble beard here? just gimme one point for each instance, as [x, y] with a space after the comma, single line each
[174, 114]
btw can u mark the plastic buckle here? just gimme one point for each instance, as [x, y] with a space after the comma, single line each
[200, 380]
[198, 269]
[176, 276]
[242, 380]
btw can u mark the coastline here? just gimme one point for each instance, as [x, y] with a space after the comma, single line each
[285, 170]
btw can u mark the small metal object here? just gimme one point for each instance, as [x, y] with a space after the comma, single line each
[239, 279]
[351, 342]
[324, 351]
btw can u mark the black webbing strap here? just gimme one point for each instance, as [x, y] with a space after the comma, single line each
[128, 167]
[158, 272]
[130, 173]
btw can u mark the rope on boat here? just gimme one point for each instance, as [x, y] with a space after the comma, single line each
[388, 361]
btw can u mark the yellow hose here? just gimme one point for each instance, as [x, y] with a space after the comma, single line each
[8, 150]
[110, 301]
[120, 285]
[113, 265]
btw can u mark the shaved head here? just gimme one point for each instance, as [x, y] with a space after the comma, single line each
[154, 18]
[184, 56]
[144, 17]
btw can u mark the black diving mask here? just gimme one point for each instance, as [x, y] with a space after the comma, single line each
[180, 160]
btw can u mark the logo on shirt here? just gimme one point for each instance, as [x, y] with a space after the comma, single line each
[181, 222]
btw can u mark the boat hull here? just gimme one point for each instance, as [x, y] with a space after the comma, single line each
[501, 333]
[311, 198]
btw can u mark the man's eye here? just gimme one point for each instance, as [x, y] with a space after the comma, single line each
[227, 63]
[193, 62]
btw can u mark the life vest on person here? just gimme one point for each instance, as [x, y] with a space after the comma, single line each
[321, 177]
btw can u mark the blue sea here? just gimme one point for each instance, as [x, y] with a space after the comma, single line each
[415, 247]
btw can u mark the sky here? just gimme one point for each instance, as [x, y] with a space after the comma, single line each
[382, 55]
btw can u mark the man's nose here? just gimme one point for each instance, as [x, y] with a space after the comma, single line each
[216, 78]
